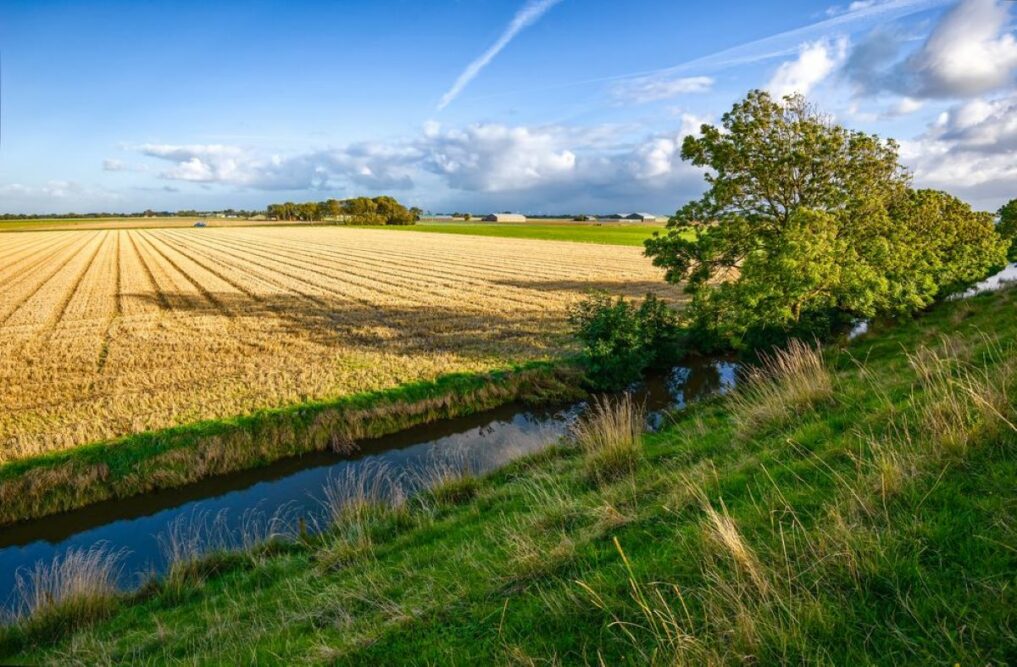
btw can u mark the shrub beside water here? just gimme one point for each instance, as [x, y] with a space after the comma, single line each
[621, 340]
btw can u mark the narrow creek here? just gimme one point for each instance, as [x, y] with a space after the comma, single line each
[223, 508]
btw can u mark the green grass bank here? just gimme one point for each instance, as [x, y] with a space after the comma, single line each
[854, 506]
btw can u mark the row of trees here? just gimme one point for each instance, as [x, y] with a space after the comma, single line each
[238, 213]
[807, 224]
[382, 210]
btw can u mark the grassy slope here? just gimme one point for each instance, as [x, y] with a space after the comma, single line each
[873, 526]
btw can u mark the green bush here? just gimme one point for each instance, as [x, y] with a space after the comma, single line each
[621, 340]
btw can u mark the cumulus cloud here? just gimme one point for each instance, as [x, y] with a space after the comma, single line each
[815, 61]
[372, 165]
[55, 189]
[971, 51]
[906, 105]
[529, 14]
[525, 164]
[971, 149]
[492, 157]
[55, 196]
[663, 87]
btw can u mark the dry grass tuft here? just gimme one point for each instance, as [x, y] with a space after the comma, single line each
[960, 403]
[782, 385]
[449, 480]
[73, 590]
[360, 507]
[610, 437]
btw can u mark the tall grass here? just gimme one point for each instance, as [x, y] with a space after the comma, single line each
[768, 600]
[609, 435]
[961, 403]
[360, 506]
[784, 383]
[199, 544]
[75, 589]
[449, 479]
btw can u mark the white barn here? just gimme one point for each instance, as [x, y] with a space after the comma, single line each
[642, 217]
[505, 217]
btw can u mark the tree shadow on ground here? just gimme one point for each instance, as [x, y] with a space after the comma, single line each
[407, 330]
[629, 288]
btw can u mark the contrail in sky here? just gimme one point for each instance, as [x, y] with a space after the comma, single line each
[529, 14]
[765, 48]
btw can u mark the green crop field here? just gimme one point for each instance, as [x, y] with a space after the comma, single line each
[611, 233]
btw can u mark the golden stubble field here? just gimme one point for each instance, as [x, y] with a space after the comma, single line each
[107, 333]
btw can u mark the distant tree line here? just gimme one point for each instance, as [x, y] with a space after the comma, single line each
[148, 213]
[383, 210]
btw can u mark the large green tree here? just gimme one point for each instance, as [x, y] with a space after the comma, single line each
[1008, 227]
[805, 220]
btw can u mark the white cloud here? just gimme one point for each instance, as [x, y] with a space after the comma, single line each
[56, 196]
[529, 14]
[367, 164]
[907, 105]
[971, 150]
[970, 52]
[518, 165]
[816, 60]
[55, 189]
[491, 158]
[653, 88]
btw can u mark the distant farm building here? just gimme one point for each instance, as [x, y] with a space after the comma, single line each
[505, 217]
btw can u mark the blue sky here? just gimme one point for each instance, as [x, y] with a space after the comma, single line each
[533, 105]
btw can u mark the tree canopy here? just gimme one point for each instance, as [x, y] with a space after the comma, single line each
[383, 210]
[1008, 227]
[805, 221]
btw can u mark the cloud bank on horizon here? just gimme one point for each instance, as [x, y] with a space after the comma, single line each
[938, 76]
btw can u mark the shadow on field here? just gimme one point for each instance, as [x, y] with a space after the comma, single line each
[633, 288]
[334, 321]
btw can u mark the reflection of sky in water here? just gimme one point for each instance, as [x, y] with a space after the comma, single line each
[480, 443]
[992, 283]
[688, 384]
[859, 329]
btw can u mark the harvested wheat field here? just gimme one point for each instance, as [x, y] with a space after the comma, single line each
[107, 333]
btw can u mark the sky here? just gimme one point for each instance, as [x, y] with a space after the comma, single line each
[481, 105]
